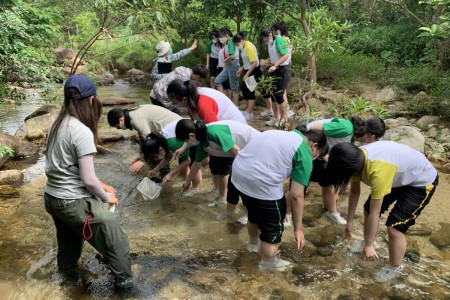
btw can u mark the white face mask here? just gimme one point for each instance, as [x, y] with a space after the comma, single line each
[222, 40]
[161, 156]
[214, 41]
[240, 47]
[193, 144]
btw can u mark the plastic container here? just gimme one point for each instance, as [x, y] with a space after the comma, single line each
[251, 83]
[149, 189]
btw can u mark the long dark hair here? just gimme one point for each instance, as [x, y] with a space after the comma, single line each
[345, 160]
[281, 27]
[186, 126]
[179, 89]
[200, 70]
[264, 34]
[150, 147]
[86, 112]
[237, 38]
[114, 115]
[315, 136]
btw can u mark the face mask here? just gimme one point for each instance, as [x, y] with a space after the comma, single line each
[222, 40]
[240, 47]
[122, 126]
[170, 51]
[161, 156]
[214, 41]
[193, 144]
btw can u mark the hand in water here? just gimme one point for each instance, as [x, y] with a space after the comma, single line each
[167, 178]
[137, 165]
[348, 231]
[186, 186]
[300, 239]
[370, 254]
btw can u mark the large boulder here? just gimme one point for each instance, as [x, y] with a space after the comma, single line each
[10, 177]
[421, 99]
[80, 70]
[441, 237]
[43, 122]
[135, 72]
[386, 95]
[426, 121]
[407, 135]
[45, 109]
[105, 79]
[117, 101]
[7, 140]
[137, 76]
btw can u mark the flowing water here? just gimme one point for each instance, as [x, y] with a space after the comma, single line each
[179, 250]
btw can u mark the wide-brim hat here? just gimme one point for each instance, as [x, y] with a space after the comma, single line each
[162, 48]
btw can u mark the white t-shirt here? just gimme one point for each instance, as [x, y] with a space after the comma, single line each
[270, 158]
[390, 164]
[221, 57]
[73, 140]
[212, 102]
[248, 53]
[223, 135]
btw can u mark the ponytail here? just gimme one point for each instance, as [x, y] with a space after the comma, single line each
[178, 90]
[359, 126]
[315, 136]
[150, 147]
[186, 126]
[376, 127]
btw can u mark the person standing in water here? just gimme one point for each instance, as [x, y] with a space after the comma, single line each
[72, 186]
[395, 173]
[257, 176]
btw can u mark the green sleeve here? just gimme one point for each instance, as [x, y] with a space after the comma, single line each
[208, 47]
[338, 128]
[231, 48]
[201, 153]
[302, 164]
[282, 46]
[221, 135]
[173, 144]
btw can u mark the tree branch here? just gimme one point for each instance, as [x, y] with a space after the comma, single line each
[282, 10]
[407, 11]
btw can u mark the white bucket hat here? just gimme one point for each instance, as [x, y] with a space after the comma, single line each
[250, 82]
[162, 48]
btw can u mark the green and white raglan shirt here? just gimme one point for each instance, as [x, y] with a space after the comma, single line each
[231, 49]
[260, 169]
[222, 136]
[277, 49]
[213, 50]
[389, 165]
[172, 143]
[336, 130]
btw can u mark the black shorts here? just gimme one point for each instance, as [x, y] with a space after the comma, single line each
[220, 165]
[232, 192]
[192, 155]
[319, 173]
[213, 63]
[225, 84]
[245, 91]
[268, 215]
[411, 200]
[282, 77]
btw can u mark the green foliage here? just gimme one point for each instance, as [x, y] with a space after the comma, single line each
[400, 42]
[6, 150]
[347, 107]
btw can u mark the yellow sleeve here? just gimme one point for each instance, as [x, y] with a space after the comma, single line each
[380, 175]
[250, 52]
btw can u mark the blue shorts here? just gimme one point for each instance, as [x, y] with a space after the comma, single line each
[229, 73]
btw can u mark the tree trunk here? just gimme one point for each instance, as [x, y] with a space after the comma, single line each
[370, 10]
[443, 54]
[312, 67]
[238, 21]
[307, 30]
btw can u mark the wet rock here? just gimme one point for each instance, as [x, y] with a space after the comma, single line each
[43, 122]
[25, 149]
[412, 249]
[421, 99]
[7, 190]
[103, 150]
[35, 134]
[9, 102]
[407, 135]
[117, 101]
[372, 291]
[312, 213]
[325, 251]
[7, 140]
[441, 237]
[399, 292]
[422, 230]
[282, 294]
[326, 235]
[10, 176]
[304, 274]
[111, 137]
[105, 79]
[387, 94]
[43, 110]
[425, 121]
[135, 72]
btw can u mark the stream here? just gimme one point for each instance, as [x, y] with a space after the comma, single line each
[180, 251]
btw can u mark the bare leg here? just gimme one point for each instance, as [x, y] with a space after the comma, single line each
[283, 107]
[250, 106]
[223, 184]
[397, 246]
[220, 89]
[197, 179]
[216, 179]
[276, 111]
[236, 99]
[212, 82]
[268, 104]
[253, 232]
[268, 251]
[329, 197]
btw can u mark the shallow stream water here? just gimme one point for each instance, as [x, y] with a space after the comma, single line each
[179, 250]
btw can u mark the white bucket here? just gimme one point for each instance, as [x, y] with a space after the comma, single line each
[251, 83]
[149, 189]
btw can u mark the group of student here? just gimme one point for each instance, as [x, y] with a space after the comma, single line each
[245, 164]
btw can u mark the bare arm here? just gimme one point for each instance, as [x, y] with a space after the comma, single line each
[297, 200]
[235, 150]
[90, 181]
